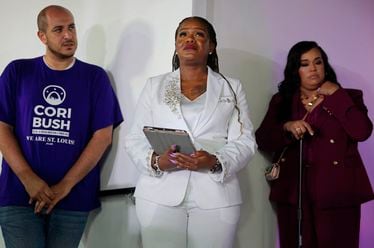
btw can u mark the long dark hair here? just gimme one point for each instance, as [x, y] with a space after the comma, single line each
[291, 82]
[212, 58]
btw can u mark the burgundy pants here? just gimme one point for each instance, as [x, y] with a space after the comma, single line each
[321, 228]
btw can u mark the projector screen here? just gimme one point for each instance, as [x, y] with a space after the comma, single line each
[131, 40]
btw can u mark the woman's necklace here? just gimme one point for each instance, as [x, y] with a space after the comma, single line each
[309, 101]
[193, 90]
[198, 90]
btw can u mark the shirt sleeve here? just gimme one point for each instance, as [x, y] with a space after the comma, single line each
[106, 108]
[348, 107]
[7, 95]
[136, 143]
[270, 135]
[241, 145]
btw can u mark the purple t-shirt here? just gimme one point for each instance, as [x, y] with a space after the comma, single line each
[54, 115]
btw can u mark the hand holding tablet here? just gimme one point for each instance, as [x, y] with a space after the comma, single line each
[162, 138]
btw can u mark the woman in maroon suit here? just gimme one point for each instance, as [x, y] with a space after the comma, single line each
[331, 120]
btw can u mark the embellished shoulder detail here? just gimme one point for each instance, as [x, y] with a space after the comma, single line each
[172, 94]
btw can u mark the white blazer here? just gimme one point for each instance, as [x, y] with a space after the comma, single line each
[218, 131]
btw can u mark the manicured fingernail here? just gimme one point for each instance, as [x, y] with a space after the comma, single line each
[172, 161]
[173, 155]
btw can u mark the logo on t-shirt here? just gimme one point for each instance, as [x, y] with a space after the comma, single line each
[54, 94]
[50, 119]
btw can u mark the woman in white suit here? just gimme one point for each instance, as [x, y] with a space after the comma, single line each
[192, 200]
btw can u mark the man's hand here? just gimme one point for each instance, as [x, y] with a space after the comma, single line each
[39, 192]
[60, 191]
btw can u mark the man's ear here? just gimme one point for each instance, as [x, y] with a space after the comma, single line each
[42, 37]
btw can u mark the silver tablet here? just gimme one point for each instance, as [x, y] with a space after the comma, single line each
[162, 138]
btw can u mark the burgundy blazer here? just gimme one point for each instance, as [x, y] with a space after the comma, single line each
[335, 175]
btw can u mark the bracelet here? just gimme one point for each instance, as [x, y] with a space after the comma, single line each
[217, 168]
[156, 166]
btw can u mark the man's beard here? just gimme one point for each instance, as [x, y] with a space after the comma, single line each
[60, 55]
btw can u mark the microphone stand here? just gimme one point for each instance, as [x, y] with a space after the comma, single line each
[299, 204]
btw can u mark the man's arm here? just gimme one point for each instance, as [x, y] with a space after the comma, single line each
[37, 189]
[89, 158]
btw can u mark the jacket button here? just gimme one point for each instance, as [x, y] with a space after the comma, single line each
[332, 141]
[335, 162]
[283, 159]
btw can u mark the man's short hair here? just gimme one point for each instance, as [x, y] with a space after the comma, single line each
[42, 16]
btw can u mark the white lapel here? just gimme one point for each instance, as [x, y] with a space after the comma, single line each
[214, 90]
[171, 96]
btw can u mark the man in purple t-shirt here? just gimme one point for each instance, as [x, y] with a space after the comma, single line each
[57, 115]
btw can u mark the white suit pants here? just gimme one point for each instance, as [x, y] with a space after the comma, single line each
[186, 226]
